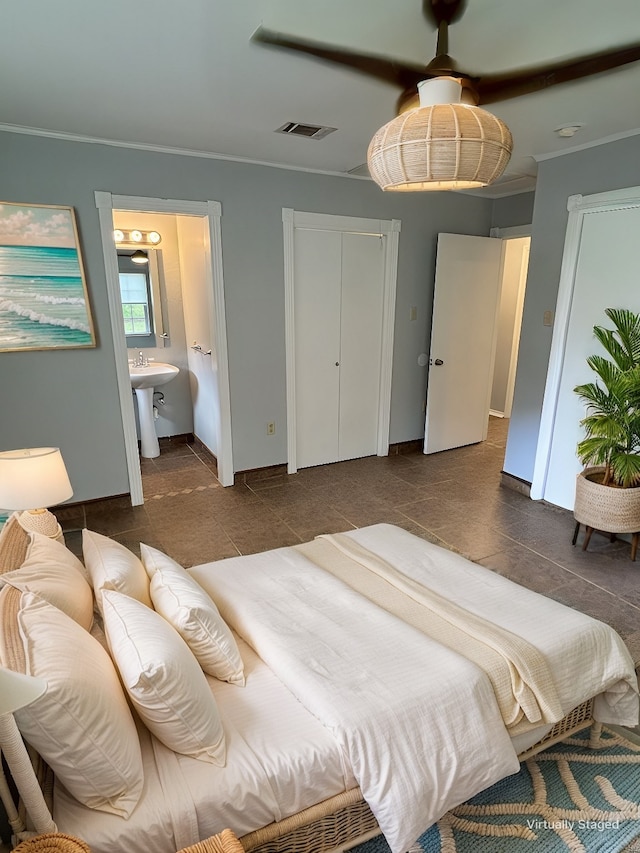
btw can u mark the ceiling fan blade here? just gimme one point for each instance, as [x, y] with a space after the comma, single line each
[388, 70]
[500, 87]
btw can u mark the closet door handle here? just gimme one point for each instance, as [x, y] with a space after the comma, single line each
[337, 364]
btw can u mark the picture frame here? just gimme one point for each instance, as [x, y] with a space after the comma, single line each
[44, 301]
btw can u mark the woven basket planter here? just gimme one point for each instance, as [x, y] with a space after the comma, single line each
[606, 507]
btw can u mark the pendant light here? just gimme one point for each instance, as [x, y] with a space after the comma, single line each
[443, 144]
[140, 257]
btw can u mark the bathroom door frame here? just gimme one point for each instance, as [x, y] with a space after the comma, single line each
[106, 203]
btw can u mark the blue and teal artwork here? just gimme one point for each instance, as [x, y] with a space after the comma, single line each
[43, 293]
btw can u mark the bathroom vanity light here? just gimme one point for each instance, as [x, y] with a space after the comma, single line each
[31, 480]
[136, 237]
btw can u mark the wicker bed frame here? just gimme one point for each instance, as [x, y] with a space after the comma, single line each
[345, 820]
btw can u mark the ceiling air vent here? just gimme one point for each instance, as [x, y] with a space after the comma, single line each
[311, 131]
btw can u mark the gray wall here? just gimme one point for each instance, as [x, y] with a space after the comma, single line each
[513, 210]
[607, 167]
[69, 398]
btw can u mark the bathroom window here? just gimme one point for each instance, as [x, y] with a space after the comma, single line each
[136, 293]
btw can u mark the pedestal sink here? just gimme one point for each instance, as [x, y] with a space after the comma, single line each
[144, 380]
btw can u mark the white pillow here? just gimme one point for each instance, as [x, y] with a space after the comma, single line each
[81, 725]
[163, 679]
[55, 574]
[112, 566]
[186, 606]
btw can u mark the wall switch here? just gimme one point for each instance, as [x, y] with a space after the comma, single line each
[413, 313]
[547, 318]
[271, 428]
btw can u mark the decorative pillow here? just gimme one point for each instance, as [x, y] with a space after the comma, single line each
[184, 604]
[14, 541]
[81, 725]
[163, 679]
[112, 566]
[55, 574]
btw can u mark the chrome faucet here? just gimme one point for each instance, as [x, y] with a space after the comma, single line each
[142, 361]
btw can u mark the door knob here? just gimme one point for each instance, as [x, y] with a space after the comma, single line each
[439, 361]
[337, 364]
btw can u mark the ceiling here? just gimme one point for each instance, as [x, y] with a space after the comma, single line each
[185, 75]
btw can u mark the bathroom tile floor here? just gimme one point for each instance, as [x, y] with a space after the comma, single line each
[454, 498]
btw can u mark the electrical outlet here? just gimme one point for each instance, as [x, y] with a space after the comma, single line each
[271, 428]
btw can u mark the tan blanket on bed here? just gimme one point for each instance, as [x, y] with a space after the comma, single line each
[519, 674]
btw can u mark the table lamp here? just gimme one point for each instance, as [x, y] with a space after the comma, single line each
[31, 480]
[16, 691]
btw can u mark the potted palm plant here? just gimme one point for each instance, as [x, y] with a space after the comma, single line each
[608, 489]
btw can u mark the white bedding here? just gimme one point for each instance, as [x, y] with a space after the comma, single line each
[280, 760]
[418, 723]
[587, 657]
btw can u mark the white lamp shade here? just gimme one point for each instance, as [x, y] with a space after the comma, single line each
[18, 690]
[33, 478]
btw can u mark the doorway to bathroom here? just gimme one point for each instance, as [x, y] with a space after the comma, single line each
[189, 316]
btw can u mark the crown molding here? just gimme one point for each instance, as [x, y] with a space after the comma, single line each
[164, 149]
[595, 144]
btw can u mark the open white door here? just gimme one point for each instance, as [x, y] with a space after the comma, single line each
[463, 338]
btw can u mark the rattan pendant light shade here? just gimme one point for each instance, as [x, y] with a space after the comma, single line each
[440, 146]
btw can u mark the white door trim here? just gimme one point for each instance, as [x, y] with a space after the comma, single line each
[106, 203]
[292, 219]
[578, 206]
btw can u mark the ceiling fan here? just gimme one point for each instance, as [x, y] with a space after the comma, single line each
[442, 139]
[477, 89]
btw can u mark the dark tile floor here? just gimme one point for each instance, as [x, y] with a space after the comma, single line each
[454, 498]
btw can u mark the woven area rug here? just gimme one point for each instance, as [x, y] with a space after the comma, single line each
[568, 798]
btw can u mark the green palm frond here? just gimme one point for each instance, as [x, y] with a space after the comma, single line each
[610, 374]
[612, 421]
[633, 379]
[613, 346]
[626, 469]
[606, 427]
[628, 329]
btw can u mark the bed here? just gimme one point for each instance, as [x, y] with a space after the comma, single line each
[304, 697]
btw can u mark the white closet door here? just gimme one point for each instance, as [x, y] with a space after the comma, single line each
[317, 275]
[360, 343]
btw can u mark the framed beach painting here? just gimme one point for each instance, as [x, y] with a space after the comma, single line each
[43, 292]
